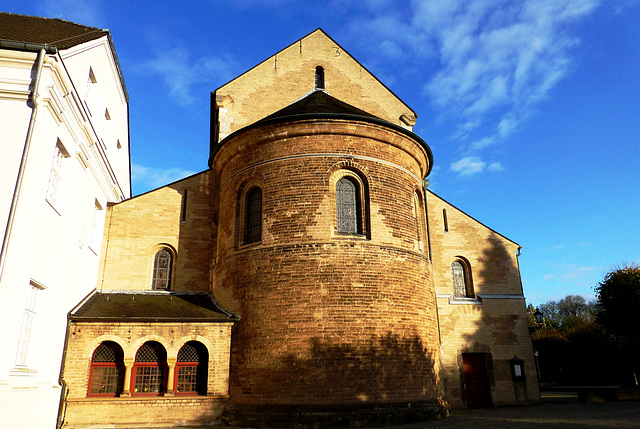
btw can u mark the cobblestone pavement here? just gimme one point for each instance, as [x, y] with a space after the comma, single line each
[549, 415]
[572, 415]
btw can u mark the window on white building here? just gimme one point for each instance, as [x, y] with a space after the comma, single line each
[90, 94]
[28, 322]
[96, 230]
[55, 177]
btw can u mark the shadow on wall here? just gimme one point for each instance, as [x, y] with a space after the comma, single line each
[386, 380]
[492, 337]
[381, 369]
[196, 233]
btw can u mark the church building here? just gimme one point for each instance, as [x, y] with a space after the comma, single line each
[307, 277]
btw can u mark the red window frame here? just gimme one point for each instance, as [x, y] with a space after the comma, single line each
[162, 370]
[119, 374]
[118, 365]
[181, 365]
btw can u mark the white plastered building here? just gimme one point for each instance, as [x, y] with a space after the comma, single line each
[64, 141]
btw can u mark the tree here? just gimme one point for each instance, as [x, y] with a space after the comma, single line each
[568, 313]
[617, 311]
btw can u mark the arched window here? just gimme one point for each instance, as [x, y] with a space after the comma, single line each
[107, 370]
[191, 369]
[253, 217]
[319, 77]
[162, 270]
[461, 277]
[149, 374]
[348, 206]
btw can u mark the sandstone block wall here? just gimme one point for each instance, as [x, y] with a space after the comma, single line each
[327, 318]
[494, 320]
[290, 74]
[137, 228]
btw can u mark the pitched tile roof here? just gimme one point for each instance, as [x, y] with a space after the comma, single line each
[149, 307]
[46, 31]
[318, 102]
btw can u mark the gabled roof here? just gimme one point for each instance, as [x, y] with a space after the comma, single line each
[145, 306]
[46, 31]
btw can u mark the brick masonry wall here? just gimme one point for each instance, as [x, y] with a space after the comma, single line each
[290, 74]
[124, 411]
[326, 318]
[137, 228]
[496, 325]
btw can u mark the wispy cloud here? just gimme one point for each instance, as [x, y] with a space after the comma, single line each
[147, 178]
[490, 62]
[183, 71]
[85, 12]
[499, 57]
[471, 165]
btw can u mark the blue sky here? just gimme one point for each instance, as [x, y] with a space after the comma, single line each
[531, 107]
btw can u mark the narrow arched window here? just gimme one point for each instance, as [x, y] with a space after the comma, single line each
[417, 213]
[253, 218]
[162, 263]
[319, 77]
[106, 377]
[191, 369]
[461, 278]
[149, 374]
[347, 206]
[445, 220]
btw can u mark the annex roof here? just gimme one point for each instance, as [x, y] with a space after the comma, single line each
[149, 307]
[320, 105]
[318, 102]
[46, 31]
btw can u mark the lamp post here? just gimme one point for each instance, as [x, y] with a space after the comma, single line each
[539, 316]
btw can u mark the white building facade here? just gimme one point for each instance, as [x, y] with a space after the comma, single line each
[65, 155]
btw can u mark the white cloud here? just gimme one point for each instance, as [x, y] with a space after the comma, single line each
[495, 166]
[488, 62]
[468, 166]
[147, 178]
[500, 55]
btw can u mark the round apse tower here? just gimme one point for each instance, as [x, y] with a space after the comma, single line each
[321, 250]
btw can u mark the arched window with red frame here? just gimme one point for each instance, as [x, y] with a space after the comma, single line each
[106, 377]
[149, 374]
[191, 369]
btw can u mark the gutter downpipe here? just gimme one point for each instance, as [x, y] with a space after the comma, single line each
[62, 405]
[33, 100]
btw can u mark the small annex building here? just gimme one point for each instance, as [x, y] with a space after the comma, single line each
[307, 276]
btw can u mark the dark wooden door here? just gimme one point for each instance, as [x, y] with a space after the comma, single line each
[476, 382]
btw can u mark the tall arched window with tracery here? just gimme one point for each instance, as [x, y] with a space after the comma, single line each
[253, 216]
[149, 374]
[162, 264]
[461, 278]
[106, 377]
[191, 369]
[347, 206]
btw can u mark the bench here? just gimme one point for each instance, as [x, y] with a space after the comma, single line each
[588, 393]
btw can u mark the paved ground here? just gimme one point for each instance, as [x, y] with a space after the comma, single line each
[555, 415]
[558, 411]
